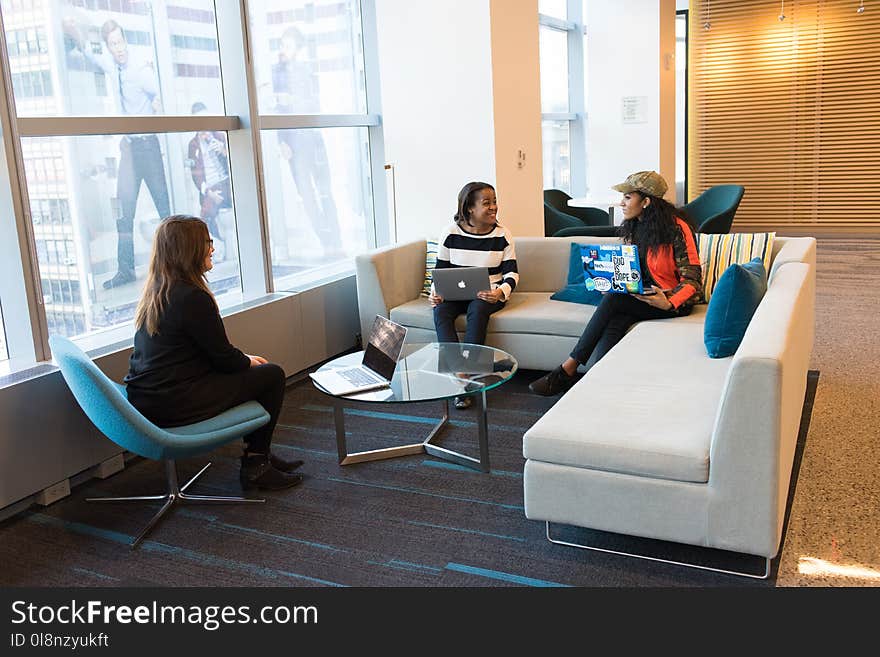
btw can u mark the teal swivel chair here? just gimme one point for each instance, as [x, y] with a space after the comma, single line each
[714, 209]
[559, 215]
[107, 406]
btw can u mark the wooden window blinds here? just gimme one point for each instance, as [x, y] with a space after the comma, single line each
[790, 109]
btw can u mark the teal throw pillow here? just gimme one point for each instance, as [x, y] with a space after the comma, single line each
[734, 300]
[575, 291]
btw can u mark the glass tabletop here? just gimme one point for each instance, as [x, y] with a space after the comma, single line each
[437, 370]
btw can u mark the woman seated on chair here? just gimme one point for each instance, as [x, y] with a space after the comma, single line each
[183, 368]
[475, 239]
[670, 266]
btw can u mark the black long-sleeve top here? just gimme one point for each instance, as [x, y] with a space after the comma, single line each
[189, 351]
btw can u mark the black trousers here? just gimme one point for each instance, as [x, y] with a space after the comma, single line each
[264, 384]
[210, 209]
[614, 315]
[310, 169]
[214, 394]
[140, 161]
[477, 312]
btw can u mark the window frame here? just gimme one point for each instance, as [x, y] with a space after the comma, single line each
[576, 116]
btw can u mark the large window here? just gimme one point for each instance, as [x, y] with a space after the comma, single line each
[562, 95]
[312, 99]
[126, 112]
[95, 199]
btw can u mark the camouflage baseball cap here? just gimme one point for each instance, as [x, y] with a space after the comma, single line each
[647, 182]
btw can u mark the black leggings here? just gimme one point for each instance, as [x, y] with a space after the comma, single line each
[613, 317]
[477, 312]
[264, 384]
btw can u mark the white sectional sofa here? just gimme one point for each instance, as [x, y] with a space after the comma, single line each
[539, 332]
[657, 440]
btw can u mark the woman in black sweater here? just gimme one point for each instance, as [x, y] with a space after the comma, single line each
[183, 368]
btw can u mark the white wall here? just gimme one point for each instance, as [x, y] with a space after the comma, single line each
[436, 79]
[623, 43]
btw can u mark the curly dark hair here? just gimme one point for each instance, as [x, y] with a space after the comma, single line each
[656, 224]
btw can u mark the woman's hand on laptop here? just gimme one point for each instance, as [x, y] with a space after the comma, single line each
[658, 299]
[435, 299]
[257, 360]
[491, 296]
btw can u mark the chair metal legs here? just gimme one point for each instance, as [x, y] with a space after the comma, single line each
[175, 495]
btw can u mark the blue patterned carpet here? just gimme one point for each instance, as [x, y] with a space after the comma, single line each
[411, 521]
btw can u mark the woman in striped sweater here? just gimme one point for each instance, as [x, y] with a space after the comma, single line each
[475, 239]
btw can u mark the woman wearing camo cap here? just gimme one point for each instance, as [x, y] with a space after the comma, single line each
[670, 266]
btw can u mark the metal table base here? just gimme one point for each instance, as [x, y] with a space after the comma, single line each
[426, 446]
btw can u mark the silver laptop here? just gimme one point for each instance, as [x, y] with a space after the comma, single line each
[460, 283]
[376, 368]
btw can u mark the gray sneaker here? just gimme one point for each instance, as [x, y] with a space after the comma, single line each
[553, 383]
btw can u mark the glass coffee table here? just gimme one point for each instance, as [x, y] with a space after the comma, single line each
[424, 373]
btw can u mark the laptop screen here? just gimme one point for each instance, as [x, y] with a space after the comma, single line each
[384, 346]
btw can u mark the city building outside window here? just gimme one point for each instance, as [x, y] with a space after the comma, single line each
[121, 116]
[96, 199]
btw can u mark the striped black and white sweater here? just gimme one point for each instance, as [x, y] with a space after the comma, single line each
[459, 248]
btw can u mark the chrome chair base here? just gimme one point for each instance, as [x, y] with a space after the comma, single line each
[176, 495]
[686, 564]
[424, 447]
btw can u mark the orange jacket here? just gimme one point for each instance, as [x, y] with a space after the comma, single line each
[676, 267]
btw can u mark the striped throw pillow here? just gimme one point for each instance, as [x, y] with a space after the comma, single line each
[430, 263]
[718, 252]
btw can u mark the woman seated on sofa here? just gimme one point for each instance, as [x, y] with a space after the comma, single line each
[670, 266]
[183, 368]
[475, 239]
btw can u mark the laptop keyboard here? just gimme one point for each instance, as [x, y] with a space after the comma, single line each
[357, 377]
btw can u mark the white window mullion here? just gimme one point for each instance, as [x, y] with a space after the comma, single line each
[73, 126]
[287, 121]
[576, 100]
[380, 230]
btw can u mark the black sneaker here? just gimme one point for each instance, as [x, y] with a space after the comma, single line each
[121, 278]
[462, 403]
[258, 472]
[283, 464]
[552, 383]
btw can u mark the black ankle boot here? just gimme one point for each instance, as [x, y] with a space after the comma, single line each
[257, 471]
[283, 464]
[553, 383]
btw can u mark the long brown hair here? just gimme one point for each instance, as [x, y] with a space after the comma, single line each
[180, 246]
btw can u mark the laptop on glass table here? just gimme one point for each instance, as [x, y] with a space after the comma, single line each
[376, 368]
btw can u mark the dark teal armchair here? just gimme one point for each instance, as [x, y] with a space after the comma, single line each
[714, 209]
[588, 231]
[558, 215]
